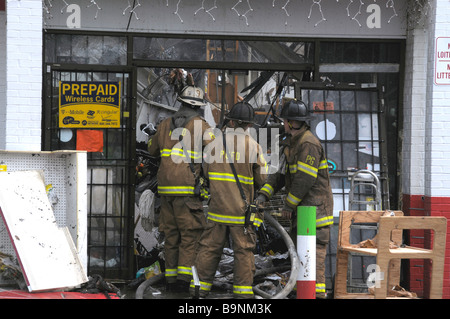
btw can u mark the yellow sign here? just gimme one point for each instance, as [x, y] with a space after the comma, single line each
[89, 104]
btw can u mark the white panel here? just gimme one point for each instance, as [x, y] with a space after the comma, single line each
[66, 172]
[46, 252]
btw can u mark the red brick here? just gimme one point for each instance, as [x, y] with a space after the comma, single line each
[419, 271]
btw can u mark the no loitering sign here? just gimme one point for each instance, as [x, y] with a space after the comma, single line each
[442, 61]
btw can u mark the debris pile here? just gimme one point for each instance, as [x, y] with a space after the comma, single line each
[96, 285]
[10, 270]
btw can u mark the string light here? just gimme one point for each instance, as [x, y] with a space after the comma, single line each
[47, 14]
[98, 7]
[417, 8]
[358, 12]
[246, 12]
[207, 11]
[283, 8]
[46, 8]
[65, 6]
[176, 11]
[133, 9]
[348, 6]
[390, 3]
[318, 3]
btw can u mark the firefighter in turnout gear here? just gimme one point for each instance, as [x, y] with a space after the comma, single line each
[229, 206]
[304, 173]
[179, 141]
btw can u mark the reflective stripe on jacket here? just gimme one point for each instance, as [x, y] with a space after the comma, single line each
[307, 179]
[175, 177]
[226, 205]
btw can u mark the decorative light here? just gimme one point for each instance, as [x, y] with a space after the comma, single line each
[246, 12]
[133, 9]
[318, 3]
[358, 12]
[93, 2]
[207, 11]
[417, 9]
[46, 8]
[284, 7]
[176, 11]
[65, 6]
[391, 4]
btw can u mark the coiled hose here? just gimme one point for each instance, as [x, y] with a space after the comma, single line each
[295, 262]
[295, 265]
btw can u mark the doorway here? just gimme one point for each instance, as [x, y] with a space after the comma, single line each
[110, 165]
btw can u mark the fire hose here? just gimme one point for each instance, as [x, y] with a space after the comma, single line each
[295, 262]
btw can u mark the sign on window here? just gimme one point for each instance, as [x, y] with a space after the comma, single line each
[89, 104]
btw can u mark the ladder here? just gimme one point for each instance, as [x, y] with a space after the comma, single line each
[362, 178]
[365, 178]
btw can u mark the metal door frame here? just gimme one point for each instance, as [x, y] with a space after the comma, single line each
[381, 121]
[299, 86]
[124, 248]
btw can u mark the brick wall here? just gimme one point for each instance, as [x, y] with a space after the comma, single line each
[23, 75]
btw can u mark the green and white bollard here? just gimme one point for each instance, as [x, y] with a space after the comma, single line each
[306, 251]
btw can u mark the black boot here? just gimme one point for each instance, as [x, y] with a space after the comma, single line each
[183, 286]
[171, 287]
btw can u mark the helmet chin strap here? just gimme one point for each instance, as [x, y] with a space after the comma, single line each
[294, 128]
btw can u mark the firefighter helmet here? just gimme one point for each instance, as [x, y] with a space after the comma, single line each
[192, 95]
[295, 110]
[242, 112]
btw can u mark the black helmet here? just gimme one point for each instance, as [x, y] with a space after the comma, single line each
[295, 110]
[242, 112]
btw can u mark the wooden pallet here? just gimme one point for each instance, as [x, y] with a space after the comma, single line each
[388, 258]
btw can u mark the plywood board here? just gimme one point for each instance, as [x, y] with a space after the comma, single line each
[46, 252]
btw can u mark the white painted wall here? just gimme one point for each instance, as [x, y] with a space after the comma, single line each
[2, 78]
[437, 130]
[414, 106]
[23, 75]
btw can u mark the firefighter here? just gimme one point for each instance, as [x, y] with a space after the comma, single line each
[304, 173]
[179, 141]
[228, 206]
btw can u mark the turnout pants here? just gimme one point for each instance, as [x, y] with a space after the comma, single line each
[210, 251]
[182, 221]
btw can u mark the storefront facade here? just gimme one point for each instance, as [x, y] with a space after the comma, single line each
[380, 105]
